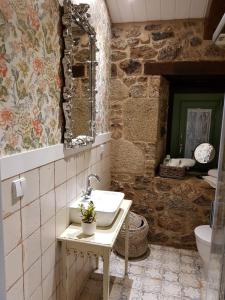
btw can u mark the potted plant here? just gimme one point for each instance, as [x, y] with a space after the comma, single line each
[88, 222]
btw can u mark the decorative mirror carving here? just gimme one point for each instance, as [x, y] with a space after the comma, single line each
[79, 64]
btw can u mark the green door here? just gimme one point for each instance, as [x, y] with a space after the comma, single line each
[196, 118]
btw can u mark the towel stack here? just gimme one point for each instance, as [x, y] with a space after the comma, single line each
[212, 177]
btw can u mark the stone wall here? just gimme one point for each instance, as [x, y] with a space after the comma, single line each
[138, 121]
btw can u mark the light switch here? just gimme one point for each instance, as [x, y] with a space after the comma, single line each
[18, 187]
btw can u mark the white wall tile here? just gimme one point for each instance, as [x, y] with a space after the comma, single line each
[30, 218]
[16, 291]
[60, 171]
[32, 279]
[71, 189]
[32, 186]
[49, 285]
[47, 234]
[37, 295]
[46, 178]
[47, 206]
[61, 196]
[100, 152]
[12, 231]
[62, 221]
[31, 249]
[71, 166]
[48, 260]
[13, 265]
[81, 184]
[9, 205]
[80, 162]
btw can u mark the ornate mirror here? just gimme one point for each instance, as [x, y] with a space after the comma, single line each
[204, 153]
[79, 64]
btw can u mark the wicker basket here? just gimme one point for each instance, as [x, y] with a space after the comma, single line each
[138, 243]
[172, 172]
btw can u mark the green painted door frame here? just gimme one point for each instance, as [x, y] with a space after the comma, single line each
[181, 103]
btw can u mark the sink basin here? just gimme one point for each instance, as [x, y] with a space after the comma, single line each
[106, 203]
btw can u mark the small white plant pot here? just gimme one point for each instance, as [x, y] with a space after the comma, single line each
[88, 228]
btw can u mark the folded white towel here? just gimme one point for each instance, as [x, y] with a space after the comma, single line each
[212, 181]
[174, 162]
[187, 162]
[213, 173]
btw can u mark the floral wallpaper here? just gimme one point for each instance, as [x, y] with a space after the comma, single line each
[30, 83]
[29, 75]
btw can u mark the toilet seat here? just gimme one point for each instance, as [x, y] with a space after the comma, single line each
[204, 234]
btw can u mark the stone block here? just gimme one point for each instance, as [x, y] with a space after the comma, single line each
[131, 66]
[169, 53]
[118, 55]
[113, 70]
[118, 90]
[132, 41]
[162, 35]
[140, 119]
[119, 44]
[145, 52]
[133, 31]
[195, 41]
[154, 86]
[145, 38]
[154, 26]
[126, 157]
[138, 91]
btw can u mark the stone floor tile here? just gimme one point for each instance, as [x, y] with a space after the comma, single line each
[189, 280]
[151, 285]
[169, 298]
[156, 273]
[136, 270]
[171, 289]
[164, 274]
[170, 276]
[187, 259]
[189, 268]
[172, 266]
[188, 252]
[130, 294]
[115, 292]
[170, 257]
[192, 293]
[150, 296]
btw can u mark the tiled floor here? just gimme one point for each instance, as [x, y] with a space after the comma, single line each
[166, 274]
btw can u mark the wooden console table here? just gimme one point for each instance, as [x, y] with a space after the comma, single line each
[99, 244]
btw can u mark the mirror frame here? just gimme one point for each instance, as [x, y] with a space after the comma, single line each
[76, 15]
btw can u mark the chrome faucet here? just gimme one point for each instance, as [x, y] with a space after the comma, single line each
[89, 189]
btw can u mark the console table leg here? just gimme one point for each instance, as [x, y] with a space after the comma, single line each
[126, 243]
[106, 275]
[65, 271]
[97, 262]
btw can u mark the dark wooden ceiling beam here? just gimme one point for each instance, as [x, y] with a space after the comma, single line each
[215, 12]
[185, 68]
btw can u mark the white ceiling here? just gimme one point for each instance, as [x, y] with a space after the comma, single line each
[122, 11]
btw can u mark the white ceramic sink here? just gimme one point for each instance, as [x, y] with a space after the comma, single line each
[106, 203]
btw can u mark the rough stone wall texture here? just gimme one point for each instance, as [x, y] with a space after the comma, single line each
[138, 122]
[30, 82]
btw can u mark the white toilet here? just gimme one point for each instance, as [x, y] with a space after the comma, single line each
[203, 235]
